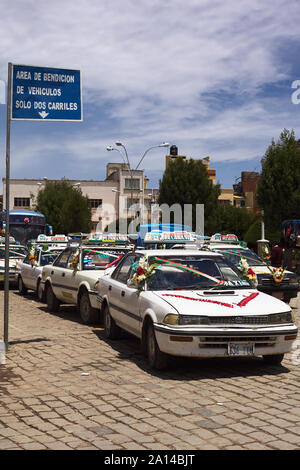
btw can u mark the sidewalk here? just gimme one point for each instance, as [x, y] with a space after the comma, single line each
[65, 387]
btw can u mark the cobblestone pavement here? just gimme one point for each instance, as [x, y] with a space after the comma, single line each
[65, 387]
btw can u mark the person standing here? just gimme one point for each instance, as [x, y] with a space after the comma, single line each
[276, 255]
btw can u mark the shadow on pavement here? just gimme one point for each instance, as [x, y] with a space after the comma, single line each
[180, 368]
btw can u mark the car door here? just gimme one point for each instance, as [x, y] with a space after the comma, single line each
[70, 280]
[58, 273]
[123, 300]
[25, 271]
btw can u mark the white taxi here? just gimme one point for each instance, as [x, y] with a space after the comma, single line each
[285, 288]
[16, 254]
[72, 277]
[194, 304]
[29, 270]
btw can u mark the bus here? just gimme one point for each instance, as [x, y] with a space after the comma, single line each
[25, 225]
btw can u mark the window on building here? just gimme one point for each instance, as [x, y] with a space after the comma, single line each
[243, 203]
[130, 202]
[22, 201]
[95, 203]
[133, 183]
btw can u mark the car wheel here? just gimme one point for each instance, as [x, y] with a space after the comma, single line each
[156, 359]
[88, 314]
[21, 286]
[111, 330]
[274, 359]
[52, 302]
[40, 292]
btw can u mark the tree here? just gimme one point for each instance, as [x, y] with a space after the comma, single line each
[278, 190]
[230, 219]
[187, 182]
[64, 207]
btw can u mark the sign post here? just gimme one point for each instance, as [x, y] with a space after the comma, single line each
[7, 187]
[36, 94]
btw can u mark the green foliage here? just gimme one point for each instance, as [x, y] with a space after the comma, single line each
[114, 227]
[278, 191]
[65, 207]
[230, 219]
[254, 233]
[187, 182]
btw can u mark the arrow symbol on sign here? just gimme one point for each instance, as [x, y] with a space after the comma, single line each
[43, 114]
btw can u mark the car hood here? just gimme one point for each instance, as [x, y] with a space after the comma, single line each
[239, 302]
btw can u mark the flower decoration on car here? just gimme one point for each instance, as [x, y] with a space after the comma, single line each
[141, 272]
[266, 253]
[277, 274]
[75, 261]
[247, 272]
[32, 255]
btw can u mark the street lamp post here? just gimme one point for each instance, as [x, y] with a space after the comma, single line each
[119, 144]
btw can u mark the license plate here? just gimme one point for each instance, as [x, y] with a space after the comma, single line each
[244, 349]
[278, 295]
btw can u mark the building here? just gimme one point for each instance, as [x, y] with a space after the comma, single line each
[110, 199]
[243, 193]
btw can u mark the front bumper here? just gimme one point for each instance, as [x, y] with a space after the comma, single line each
[215, 342]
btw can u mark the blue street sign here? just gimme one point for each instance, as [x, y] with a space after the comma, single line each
[45, 94]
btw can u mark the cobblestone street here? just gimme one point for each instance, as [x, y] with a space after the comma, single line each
[65, 387]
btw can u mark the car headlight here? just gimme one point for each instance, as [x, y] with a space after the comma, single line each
[96, 285]
[193, 320]
[171, 319]
[286, 317]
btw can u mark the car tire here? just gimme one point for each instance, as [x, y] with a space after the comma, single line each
[21, 287]
[40, 292]
[111, 330]
[273, 359]
[52, 301]
[156, 359]
[87, 313]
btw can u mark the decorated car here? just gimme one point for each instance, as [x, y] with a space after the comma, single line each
[193, 303]
[29, 270]
[278, 281]
[16, 254]
[73, 277]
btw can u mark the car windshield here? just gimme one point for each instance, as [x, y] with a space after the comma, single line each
[235, 254]
[14, 252]
[97, 258]
[48, 257]
[195, 272]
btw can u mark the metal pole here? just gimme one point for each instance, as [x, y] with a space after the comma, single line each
[7, 188]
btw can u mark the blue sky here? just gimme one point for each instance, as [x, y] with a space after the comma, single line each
[212, 77]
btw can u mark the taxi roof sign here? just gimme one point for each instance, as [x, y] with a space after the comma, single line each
[229, 238]
[168, 237]
[109, 237]
[52, 238]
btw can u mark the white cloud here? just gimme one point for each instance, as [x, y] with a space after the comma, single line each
[147, 69]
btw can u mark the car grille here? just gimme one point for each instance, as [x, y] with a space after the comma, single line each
[223, 341]
[270, 283]
[245, 320]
